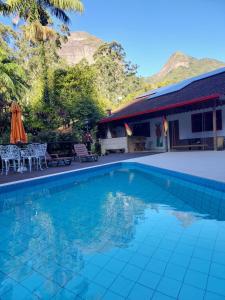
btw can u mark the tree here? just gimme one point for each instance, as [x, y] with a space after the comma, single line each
[4, 8]
[35, 10]
[39, 104]
[12, 76]
[39, 30]
[12, 81]
[75, 95]
[116, 77]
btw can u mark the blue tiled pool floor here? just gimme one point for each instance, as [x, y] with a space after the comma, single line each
[123, 234]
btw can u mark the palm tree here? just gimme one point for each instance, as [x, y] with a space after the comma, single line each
[40, 10]
[12, 82]
[11, 73]
[4, 8]
[36, 14]
[38, 29]
[39, 36]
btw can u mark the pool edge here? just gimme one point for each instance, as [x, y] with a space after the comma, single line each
[218, 185]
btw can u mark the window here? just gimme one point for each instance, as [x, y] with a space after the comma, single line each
[141, 129]
[204, 121]
[196, 122]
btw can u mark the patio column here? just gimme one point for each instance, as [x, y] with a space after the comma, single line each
[214, 128]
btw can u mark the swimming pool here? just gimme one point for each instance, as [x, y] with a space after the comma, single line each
[122, 231]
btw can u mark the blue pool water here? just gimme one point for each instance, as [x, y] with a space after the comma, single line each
[119, 232]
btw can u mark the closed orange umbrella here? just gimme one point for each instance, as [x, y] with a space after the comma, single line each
[17, 130]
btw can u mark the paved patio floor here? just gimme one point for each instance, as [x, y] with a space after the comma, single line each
[207, 164]
[11, 177]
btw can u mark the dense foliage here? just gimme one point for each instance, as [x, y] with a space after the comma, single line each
[58, 101]
[116, 77]
[12, 77]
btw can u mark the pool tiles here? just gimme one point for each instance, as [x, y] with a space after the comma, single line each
[136, 237]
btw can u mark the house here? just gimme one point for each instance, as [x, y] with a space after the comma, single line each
[193, 110]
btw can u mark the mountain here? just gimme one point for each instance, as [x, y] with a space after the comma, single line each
[80, 45]
[181, 66]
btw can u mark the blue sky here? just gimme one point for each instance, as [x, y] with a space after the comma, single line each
[151, 30]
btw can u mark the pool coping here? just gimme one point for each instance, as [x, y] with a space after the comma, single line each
[13, 183]
[214, 184]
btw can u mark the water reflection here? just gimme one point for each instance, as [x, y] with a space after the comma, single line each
[57, 230]
[186, 219]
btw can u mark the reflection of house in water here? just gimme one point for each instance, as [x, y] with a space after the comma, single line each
[186, 219]
[155, 207]
[188, 197]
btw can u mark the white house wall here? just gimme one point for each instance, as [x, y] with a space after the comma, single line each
[185, 128]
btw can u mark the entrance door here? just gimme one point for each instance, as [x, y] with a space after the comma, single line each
[174, 133]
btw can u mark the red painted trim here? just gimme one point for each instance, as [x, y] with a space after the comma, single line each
[166, 107]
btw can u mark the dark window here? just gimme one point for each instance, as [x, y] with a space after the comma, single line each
[196, 122]
[141, 129]
[208, 121]
[204, 121]
[219, 120]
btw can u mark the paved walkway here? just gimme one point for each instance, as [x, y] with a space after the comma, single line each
[207, 164]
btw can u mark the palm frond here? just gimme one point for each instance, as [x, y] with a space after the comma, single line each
[33, 10]
[4, 8]
[75, 5]
[6, 81]
[12, 80]
[60, 14]
[14, 3]
[35, 32]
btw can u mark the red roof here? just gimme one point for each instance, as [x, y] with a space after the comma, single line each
[201, 90]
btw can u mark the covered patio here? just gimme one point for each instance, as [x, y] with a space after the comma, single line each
[194, 125]
[194, 110]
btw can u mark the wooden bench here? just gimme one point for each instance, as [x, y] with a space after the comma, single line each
[189, 147]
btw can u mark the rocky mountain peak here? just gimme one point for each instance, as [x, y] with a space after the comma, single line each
[180, 66]
[176, 60]
[80, 45]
